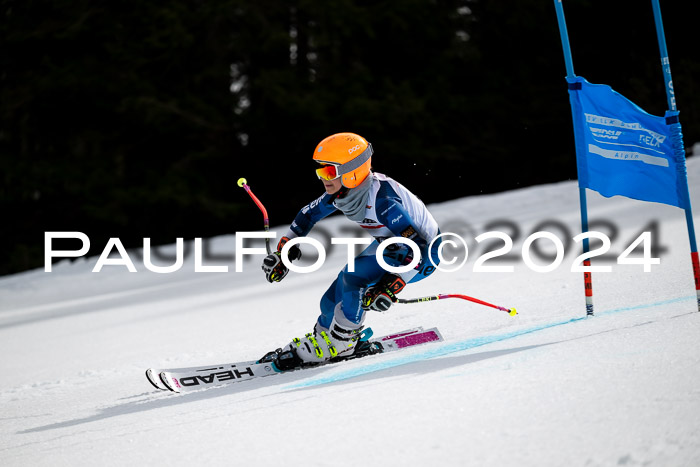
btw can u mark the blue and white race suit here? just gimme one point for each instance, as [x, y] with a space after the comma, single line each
[391, 211]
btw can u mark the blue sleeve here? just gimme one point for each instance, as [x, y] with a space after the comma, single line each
[312, 213]
[391, 213]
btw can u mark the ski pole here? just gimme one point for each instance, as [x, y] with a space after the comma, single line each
[243, 183]
[510, 311]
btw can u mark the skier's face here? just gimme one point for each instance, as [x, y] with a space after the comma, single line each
[332, 186]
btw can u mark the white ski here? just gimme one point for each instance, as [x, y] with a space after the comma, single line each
[194, 378]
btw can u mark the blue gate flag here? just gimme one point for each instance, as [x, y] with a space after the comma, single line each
[623, 150]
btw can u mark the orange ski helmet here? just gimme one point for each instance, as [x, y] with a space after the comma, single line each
[349, 154]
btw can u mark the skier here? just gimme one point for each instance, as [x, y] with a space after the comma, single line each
[386, 209]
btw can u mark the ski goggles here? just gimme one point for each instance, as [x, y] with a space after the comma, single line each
[330, 171]
[327, 172]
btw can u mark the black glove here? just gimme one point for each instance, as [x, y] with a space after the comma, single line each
[382, 295]
[274, 268]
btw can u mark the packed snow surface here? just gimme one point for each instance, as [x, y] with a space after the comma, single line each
[548, 387]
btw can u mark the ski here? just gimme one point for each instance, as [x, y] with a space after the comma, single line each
[153, 374]
[182, 380]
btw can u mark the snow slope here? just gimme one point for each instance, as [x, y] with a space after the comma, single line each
[545, 388]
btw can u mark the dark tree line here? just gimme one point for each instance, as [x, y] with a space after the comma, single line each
[135, 119]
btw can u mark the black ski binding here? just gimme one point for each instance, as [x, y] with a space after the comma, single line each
[289, 360]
